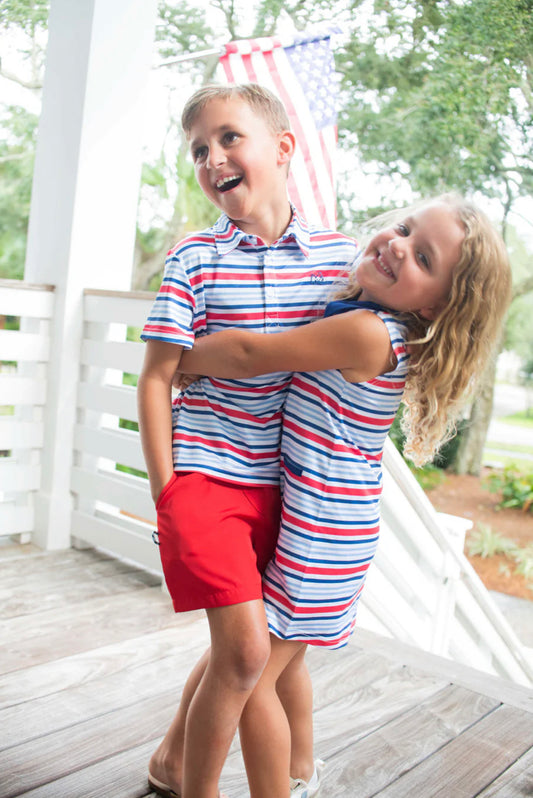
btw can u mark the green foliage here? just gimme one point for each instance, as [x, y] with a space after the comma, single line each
[440, 92]
[515, 486]
[27, 15]
[17, 136]
[486, 543]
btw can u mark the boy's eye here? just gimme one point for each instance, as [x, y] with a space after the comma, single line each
[199, 153]
[402, 229]
[229, 137]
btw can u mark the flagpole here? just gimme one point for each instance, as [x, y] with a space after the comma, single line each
[191, 57]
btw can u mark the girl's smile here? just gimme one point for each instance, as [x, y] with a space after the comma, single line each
[410, 266]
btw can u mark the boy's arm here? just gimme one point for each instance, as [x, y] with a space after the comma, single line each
[154, 401]
[357, 341]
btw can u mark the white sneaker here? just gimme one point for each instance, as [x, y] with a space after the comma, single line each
[304, 789]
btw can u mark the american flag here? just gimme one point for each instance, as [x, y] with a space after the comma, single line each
[301, 72]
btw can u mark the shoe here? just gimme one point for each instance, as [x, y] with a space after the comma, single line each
[160, 788]
[164, 790]
[304, 789]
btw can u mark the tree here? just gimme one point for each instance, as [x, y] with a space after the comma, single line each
[28, 19]
[440, 95]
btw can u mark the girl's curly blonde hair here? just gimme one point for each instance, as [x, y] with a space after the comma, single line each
[449, 353]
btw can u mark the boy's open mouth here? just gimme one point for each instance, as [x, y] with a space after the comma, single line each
[227, 183]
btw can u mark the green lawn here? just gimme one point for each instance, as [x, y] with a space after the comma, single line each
[522, 419]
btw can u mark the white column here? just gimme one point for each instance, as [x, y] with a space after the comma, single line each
[84, 200]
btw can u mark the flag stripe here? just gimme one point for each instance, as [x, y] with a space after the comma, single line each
[281, 66]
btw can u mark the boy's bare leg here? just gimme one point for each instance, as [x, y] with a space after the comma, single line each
[166, 763]
[240, 649]
[264, 728]
[295, 692]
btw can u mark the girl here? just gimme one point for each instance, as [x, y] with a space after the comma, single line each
[417, 320]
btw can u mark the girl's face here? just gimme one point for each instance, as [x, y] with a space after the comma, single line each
[410, 266]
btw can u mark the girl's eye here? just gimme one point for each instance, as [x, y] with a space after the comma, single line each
[402, 229]
[423, 260]
[199, 154]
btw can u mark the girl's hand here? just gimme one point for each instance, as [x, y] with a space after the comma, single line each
[182, 381]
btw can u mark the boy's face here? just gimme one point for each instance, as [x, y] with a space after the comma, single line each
[240, 164]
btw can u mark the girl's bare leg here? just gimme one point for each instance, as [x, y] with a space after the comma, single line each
[295, 692]
[264, 728]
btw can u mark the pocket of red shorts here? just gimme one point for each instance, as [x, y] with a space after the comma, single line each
[166, 490]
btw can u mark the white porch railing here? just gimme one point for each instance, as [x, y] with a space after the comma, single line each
[24, 355]
[421, 588]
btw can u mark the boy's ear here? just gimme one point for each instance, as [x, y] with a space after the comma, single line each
[286, 146]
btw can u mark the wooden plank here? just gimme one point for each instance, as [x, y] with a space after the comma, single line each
[508, 692]
[118, 400]
[36, 762]
[122, 542]
[124, 491]
[19, 477]
[121, 355]
[37, 562]
[62, 632]
[472, 760]
[130, 307]
[20, 434]
[119, 446]
[15, 519]
[515, 782]
[343, 722]
[140, 668]
[381, 757]
[22, 390]
[47, 590]
[126, 772]
[16, 345]
[22, 299]
[62, 673]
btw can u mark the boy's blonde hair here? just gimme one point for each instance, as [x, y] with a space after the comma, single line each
[449, 353]
[261, 100]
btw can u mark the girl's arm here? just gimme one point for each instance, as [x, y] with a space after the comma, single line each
[356, 341]
[155, 411]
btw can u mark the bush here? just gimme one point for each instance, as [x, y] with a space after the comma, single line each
[515, 486]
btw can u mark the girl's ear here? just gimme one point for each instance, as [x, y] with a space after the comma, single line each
[286, 145]
[430, 314]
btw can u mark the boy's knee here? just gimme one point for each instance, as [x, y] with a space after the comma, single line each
[245, 661]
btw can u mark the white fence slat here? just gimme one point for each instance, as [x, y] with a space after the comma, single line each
[22, 300]
[19, 477]
[122, 355]
[15, 345]
[105, 535]
[15, 519]
[120, 401]
[116, 307]
[20, 434]
[121, 446]
[126, 492]
[16, 390]
[502, 659]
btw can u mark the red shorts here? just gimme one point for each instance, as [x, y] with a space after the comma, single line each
[215, 539]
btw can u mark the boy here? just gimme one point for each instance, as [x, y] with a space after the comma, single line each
[213, 460]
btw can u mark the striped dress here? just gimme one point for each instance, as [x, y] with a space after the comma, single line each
[332, 445]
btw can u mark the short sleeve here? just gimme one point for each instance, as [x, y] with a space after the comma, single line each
[172, 314]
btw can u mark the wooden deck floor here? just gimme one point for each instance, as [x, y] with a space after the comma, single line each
[92, 661]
